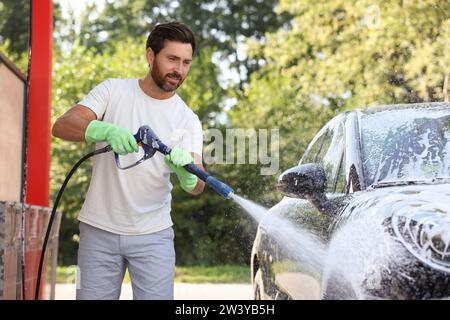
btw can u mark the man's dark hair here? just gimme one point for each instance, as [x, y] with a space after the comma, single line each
[174, 31]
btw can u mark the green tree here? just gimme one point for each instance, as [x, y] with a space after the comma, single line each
[14, 25]
[15, 29]
[221, 25]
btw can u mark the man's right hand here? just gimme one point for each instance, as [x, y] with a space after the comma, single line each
[120, 139]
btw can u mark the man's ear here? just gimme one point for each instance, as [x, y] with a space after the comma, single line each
[150, 55]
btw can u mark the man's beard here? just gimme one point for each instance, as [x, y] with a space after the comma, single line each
[161, 80]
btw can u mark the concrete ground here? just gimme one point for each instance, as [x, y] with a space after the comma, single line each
[182, 291]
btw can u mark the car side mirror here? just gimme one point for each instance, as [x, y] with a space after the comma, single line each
[305, 181]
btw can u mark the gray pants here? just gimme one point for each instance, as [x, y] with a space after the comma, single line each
[104, 256]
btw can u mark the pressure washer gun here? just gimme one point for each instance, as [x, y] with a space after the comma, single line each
[151, 143]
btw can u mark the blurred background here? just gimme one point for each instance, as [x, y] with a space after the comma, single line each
[288, 64]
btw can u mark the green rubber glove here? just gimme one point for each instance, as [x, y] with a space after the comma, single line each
[176, 160]
[120, 139]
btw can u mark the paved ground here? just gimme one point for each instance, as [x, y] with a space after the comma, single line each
[183, 291]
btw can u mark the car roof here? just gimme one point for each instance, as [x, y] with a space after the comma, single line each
[421, 106]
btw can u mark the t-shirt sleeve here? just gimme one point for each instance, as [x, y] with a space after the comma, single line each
[98, 98]
[193, 138]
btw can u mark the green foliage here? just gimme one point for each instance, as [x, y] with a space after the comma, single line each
[66, 274]
[14, 29]
[14, 25]
[368, 48]
[217, 24]
[213, 274]
[20, 60]
[197, 274]
[14, 33]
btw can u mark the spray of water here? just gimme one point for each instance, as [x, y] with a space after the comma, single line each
[298, 243]
[255, 210]
[358, 254]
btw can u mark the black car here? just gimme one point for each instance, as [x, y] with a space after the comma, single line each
[365, 214]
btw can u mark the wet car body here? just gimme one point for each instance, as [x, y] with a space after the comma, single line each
[373, 188]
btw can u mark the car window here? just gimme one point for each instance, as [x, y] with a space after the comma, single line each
[340, 181]
[327, 149]
[313, 151]
[332, 152]
[407, 144]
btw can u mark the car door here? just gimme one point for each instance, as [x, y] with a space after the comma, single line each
[296, 272]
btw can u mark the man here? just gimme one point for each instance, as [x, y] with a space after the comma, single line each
[125, 219]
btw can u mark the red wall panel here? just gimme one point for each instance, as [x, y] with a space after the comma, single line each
[38, 154]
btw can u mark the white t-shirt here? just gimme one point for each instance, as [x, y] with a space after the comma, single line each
[136, 200]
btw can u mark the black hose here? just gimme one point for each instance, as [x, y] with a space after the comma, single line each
[53, 214]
